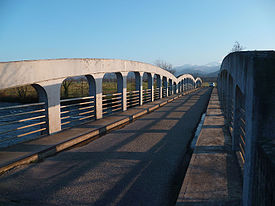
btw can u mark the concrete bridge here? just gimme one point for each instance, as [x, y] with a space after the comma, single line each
[147, 161]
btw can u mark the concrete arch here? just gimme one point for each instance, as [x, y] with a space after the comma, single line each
[50, 74]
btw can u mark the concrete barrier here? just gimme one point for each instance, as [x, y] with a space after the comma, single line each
[247, 92]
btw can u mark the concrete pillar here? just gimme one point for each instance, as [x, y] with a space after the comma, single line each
[42, 96]
[98, 94]
[139, 87]
[159, 85]
[52, 89]
[122, 88]
[151, 84]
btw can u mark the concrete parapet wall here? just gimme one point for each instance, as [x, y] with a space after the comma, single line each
[247, 92]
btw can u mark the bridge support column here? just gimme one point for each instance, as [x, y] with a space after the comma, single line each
[98, 95]
[151, 85]
[139, 86]
[122, 88]
[159, 85]
[52, 89]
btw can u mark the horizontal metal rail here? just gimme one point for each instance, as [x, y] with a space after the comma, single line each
[17, 119]
[77, 110]
[22, 113]
[75, 99]
[76, 104]
[111, 95]
[22, 106]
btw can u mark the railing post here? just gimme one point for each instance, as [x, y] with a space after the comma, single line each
[98, 95]
[52, 89]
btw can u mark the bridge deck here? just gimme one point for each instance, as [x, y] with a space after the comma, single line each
[213, 176]
[139, 164]
[38, 149]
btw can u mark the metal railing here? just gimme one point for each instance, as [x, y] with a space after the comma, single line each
[164, 92]
[147, 95]
[156, 93]
[132, 99]
[22, 122]
[76, 110]
[111, 103]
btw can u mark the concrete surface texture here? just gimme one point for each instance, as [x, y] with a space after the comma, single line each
[139, 164]
[213, 176]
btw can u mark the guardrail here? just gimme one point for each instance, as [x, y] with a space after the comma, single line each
[16, 122]
[247, 93]
[76, 110]
[132, 99]
[111, 103]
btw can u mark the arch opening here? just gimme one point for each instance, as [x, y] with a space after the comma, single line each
[147, 87]
[112, 88]
[164, 87]
[157, 86]
[133, 86]
[170, 87]
[23, 114]
[77, 100]
[175, 88]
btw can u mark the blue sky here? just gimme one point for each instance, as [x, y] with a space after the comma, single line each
[177, 31]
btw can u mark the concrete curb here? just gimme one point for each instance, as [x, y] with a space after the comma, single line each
[37, 156]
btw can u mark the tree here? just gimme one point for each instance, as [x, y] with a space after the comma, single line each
[237, 47]
[66, 84]
[22, 92]
[164, 65]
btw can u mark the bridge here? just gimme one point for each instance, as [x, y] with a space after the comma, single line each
[137, 152]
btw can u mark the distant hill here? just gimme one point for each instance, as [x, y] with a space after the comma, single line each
[208, 70]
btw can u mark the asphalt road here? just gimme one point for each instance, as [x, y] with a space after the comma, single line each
[139, 164]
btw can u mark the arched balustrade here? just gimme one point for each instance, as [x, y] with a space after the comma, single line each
[94, 102]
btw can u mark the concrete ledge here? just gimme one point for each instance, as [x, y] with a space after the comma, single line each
[213, 176]
[76, 139]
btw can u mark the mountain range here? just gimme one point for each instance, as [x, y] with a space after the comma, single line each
[208, 70]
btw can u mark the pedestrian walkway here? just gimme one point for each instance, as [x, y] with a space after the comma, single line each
[213, 176]
[38, 149]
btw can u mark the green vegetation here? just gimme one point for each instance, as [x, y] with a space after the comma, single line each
[69, 89]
